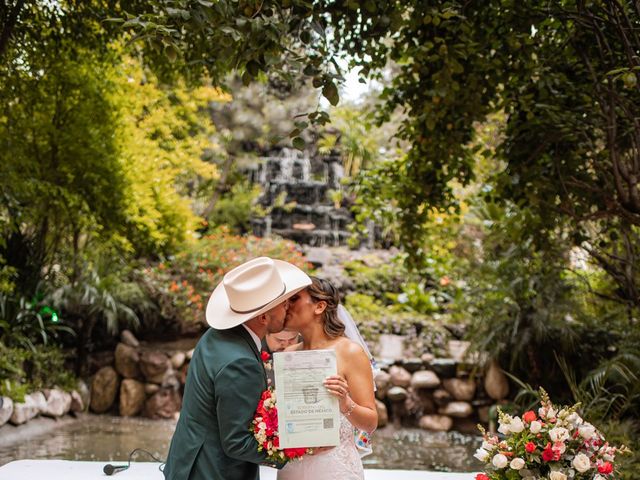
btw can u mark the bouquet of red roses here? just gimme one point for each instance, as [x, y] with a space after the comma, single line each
[265, 426]
[555, 443]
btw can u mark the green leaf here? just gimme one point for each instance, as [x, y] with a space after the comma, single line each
[330, 92]
[298, 143]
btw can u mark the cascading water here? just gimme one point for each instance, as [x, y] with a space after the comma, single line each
[296, 194]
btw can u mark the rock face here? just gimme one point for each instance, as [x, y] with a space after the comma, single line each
[399, 376]
[25, 411]
[104, 389]
[154, 365]
[131, 397]
[6, 409]
[425, 379]
[438, 423]
[165, 403]
[495, 382]
[58, 403]
[460, 389]
[127, 361]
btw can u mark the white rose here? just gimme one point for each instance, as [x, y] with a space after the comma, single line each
[504, 428]
[581, 463]
[516, 425]
[558, 434]
[500, 461]
[535, 427]
[587, 431]
[557, 476]
[599, 477]
[517, 463]
[481, 454]
[575, 419]
[487, 445]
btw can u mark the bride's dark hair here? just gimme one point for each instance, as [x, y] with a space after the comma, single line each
[322, 290]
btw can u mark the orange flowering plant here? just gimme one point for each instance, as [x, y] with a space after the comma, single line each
[554, 443]
[182, 284]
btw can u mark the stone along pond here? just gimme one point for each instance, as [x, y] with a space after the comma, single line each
[108, 438]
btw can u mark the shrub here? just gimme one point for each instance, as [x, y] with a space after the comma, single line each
[27, 370]
[182, 284]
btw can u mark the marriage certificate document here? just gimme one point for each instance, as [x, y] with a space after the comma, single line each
[308, 415]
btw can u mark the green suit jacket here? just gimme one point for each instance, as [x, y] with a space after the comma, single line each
[212, 439]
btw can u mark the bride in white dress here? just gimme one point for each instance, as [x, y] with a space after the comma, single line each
[313, 313]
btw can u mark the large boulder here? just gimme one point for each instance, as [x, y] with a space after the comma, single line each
[6, 409]
[399, 376]
[383, 416]
[437, 423]
[154, 364]
[131, 397]
[178, 359]
[25, 411]
[58, 403]
[77, 403]
[165, 403]
[424, 379]
[151, 388]
[457, 409]
[460, 389]
[441, 397]
[413, 364]
[495, 382]
[397, 394]
[104, 389]
[129, 339]
[383, 382]
[127, 360]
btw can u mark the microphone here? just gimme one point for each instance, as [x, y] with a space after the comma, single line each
[111, 469]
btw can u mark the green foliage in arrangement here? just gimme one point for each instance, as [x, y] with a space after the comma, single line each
[181, 285]
[24, 371]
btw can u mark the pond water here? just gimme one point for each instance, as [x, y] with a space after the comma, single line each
[99, 437]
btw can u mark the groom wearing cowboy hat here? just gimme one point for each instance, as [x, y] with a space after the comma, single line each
[226, 375]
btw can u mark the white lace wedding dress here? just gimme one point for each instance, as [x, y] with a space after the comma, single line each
[340, 463]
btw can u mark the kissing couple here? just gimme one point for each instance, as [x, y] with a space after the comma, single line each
[226, 377]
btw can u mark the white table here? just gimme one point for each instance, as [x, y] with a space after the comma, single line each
[72, 470]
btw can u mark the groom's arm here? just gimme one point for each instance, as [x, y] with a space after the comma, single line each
[238, 390]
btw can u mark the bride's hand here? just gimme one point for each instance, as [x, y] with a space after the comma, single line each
[338, 386]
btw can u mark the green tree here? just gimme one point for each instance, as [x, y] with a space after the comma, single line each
[565, 73]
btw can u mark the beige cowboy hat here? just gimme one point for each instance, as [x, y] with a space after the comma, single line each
[251, 289]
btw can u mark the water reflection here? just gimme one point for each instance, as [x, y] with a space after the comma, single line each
[99, 437]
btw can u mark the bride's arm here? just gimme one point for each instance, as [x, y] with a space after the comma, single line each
[355, 390]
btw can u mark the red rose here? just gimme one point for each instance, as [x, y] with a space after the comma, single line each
[265, 356]
[548, 454]
[530, 447]
[294, 452]
[605, 468]
[482, 476]
[529, 416]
